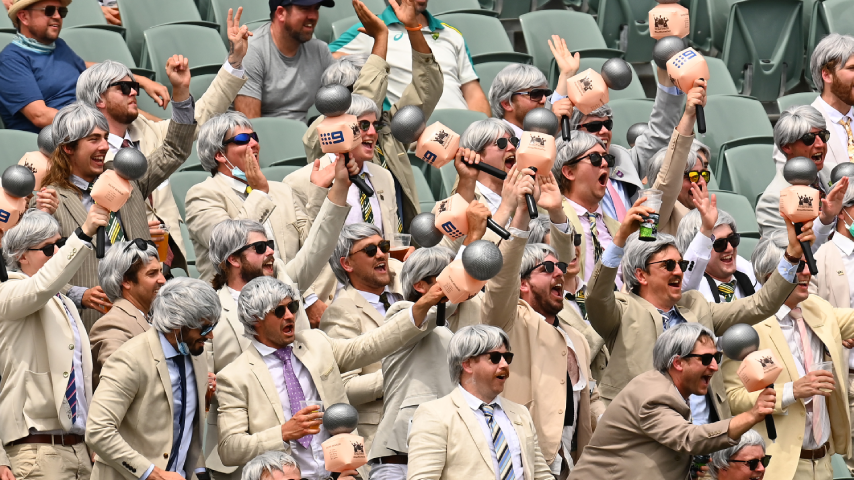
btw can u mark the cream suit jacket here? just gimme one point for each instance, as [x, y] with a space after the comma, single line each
[539, 370]
[646, 432]
[669, 181]
[611, 224]
[150, 134]
[599, 354]
[123, 322]
[831, 283]
[445, 435]
[37, 346]
[831, 325]
[630, 325]
[130, 420]
[246, 385]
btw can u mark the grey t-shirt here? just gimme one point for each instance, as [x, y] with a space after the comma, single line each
[285, 85]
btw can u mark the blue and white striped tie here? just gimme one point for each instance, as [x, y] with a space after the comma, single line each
[502, 451]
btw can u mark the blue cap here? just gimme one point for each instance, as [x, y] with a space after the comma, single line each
[274, 4]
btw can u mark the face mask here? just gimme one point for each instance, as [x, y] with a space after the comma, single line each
[849, 226]
[183, 349]
[237, 173]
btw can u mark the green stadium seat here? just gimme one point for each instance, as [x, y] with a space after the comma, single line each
[6, 38]
[328, 16]
[204, 8]
[192, 164]
[803, 98]
[97, 45]
[200, 83]
[146, 104]
[178, 272]
[202, 46]
[701, 16]
[181, 183]
[6, 25]
[255, 24]
[188, 244]
[828, 16]
[292, 161]
[840, 469]
[252, 10]
[14, 144]
[628, 112]
[730, 119]
[485, 37]
[89, 15]
[487, 72]
[512, 9]
[721, 10]
[437, 7]
[278, 173]
[578, 29]
[764, 47]
[456, 120]
[634, 90]
[747, 246]
[625, 26]
[720, 81]
[747, 170]
[342, 25]
[279, 138]
[425, 194]
[448, 175]
[740, 209]
[137, 17]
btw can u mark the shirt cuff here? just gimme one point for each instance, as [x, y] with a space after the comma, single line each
[519, 233]
[147, 472]
[76, 295]
[788, 394]
[556, 97]
[787, 270]
[201, 470]
[310, 300]
[184, 112]
[612, 256]
[671, 90]
[237, 72]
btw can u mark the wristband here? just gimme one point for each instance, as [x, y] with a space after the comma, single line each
[414, 29]
[82, 236]
[791, 259]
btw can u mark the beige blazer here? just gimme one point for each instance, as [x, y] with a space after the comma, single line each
[466, 313]
[130, 420]
[37, 346]
[599, 354]
[611, 224]
[123, 322]
[831, 283]
[669, 181]
[246, 385]
[647, 432]
[831, 325]
[630, 325]
[445, 435]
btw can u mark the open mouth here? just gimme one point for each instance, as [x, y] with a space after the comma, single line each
[675, 282]
[502, 376]
[368, 146]
[557, 290]
[98, 160]
[727, 259]
[818, 157]
[288, 329]
[603, 179]
[267, 266]
[509, 162]
[381, 267]
[705, 380]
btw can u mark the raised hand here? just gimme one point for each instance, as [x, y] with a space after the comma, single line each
[631, 223]
[550, 197]
[96, 299]
[807, 235]
[566, 61]
[178, 71]
[476, 214]
[372, 26]
[322, 177]
[47, 200]
[254, 177]
[406, 12]
[707, 205]
[159, 93]
[238, 38]
[98, 216]
[463, 162]
[831, 205]
[764, 404]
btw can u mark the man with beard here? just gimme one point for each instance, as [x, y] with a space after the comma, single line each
[284, 63]
[145, 417]
[518, 89]
[832, 70]
[130, 275]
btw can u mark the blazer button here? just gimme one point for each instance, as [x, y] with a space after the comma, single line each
[65, 374]
[562, 381]
[165, 455]
[71, 346]
[560, 411]
[563, 352]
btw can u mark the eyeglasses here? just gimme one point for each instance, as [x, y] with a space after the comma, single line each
[754, 464]
[694, 175]
[549, 267]
[371, 250]
[594, 127]
[576, 240]
[141, 245]
[207, 330]
[596, 159]
[706, 358]
[47, 250]
[51, 11]
[809, 138]
[503, 141]
[260, 247]
[801, 265]
[241, 138]
[126, 86]
[365, 125]
[536, 94]
[670, 264]
[720, 244]
[292, 307]
[496, 357]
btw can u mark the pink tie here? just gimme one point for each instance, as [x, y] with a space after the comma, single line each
[618, 202]
[817, 405]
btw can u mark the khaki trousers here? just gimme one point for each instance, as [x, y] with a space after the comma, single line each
[820, 469]
[50, 462]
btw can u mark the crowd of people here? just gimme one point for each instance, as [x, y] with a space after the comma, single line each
[593, 352]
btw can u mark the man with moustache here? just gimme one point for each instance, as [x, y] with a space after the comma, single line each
[518, 89]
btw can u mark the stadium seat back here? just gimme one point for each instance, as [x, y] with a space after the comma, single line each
[90, 15]
[14, 144]
[188, 244]
[720, 81]
[633, 91]
[192, 164]
[513, 8]
[456, 120]
[788, 101]
[487, 72]
[747, 170]
[137, 17]
[730, 118]
[328, 16]
[252, 10]
[279, 138]
[202, 46]
[485, 37]
[342, 25]
[6, 38]
[200, 83]
[278, 173]
[436, 7]
[741, 210]
[828, 16]
[425, 193]
[97, 45]
[625, 26]
[747, 246]
[6, 25]
[628, 112]
[146, 104]
[181, 183]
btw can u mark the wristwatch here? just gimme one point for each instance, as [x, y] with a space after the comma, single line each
[82, 236]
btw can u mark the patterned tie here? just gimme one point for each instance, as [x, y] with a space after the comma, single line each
[727, 290]
[846, 122]
[367, 212]
[597, 247]
[579, 298]
[71, 388]
[295, 393]
[502, 451]
[817, 403]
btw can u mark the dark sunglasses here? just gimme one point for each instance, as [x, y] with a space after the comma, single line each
[260, 247]
[51, 11]
[365, 125]
[496, 357]
[576, 240]
[670, 264]
[47, 250]
[141, 245]
[801, 265]
[242, 138]
[695, 175]
[754, 464]
[207, 330]
[503, 141]
[706, 358]
[536, 94]
[594, 127]
[292, 307]
[809, 138]
[720, 244]
[371, 250]
[126, 86]
[549, 267]
[596, 159]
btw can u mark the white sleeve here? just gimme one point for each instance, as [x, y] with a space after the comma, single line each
[699, 253]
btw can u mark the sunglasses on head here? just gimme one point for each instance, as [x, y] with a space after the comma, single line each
[260, 247]
[207, 330]
[496, 357]
[694, 175]
[594, 127]
[503, 141]
[596, 159]
[809, 138]
[720, 243]
[365, 125]
[242, 138]
[47, 250]
[706, 358]
[292, 307]
[549, 267]
[754, 464]
[141, 245]
[536, 94]
[670, 264]
[51, 11]
[371, 250]
[126, 86]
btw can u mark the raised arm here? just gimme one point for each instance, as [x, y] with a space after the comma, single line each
[662, 121]
[700, 250]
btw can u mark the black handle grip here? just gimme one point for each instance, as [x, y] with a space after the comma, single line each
[101, 242]
[358, 181]
[532, 206]
[701, 119]
[497, 229]
[3, 274]
[770, 427]
[490, 170]
[805, 246]
[440, 314]
[564, 128]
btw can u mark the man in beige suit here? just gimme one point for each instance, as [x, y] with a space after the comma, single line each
[266, 396]
[146, 419]
[45, 364]
[647, 431]
[447, 433]
[131, 276]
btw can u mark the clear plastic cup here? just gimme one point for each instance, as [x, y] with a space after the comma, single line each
[649, 226]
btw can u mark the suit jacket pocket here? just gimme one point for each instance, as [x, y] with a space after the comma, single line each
[39, 406]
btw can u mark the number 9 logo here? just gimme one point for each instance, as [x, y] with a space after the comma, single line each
[4, 216]
[337, 137]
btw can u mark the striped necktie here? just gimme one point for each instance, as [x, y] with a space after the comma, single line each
[115, 232]
[367, 211]
[502, 451]
[597, 247]
[727, 290]
[71, 388]
[846, 122]
[817, 404]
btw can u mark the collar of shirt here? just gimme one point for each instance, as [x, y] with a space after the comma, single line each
[582, 212]
[474, 403]
[116, 141]
[833, 113]
[389, 18]
[844, 244]
[234, 293]
[365, 169]
[516, 130]
[79, 182]
[370, 297]
[235, 184]
[580, 284]
[168, 350]
[264, 350]
[782, 313]
[493, 199]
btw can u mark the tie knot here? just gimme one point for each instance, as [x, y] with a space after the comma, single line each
[796, 313]
[385, 301]
[127, 143]
[845, 121]
[284, 354]
[488, 409]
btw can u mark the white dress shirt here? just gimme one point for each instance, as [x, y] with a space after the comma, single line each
[79, 425]
[793, 339]
[699, 254]
[490, 198]
[517, 131]
[580, 285]
[311, 462]
[837, 131]
[375, 302]
[353, 194]
[500, 417]
[603, 234]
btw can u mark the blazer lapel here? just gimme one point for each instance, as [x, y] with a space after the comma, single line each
[366, 308]
[58, 336]
[654, 314]
[835, 146]
[230, 309]
[259, 369]
[231, 195]
[301, 352]
[473, 426]
[72, 204]
[200, 370]
[162, 367]
[132, 312]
